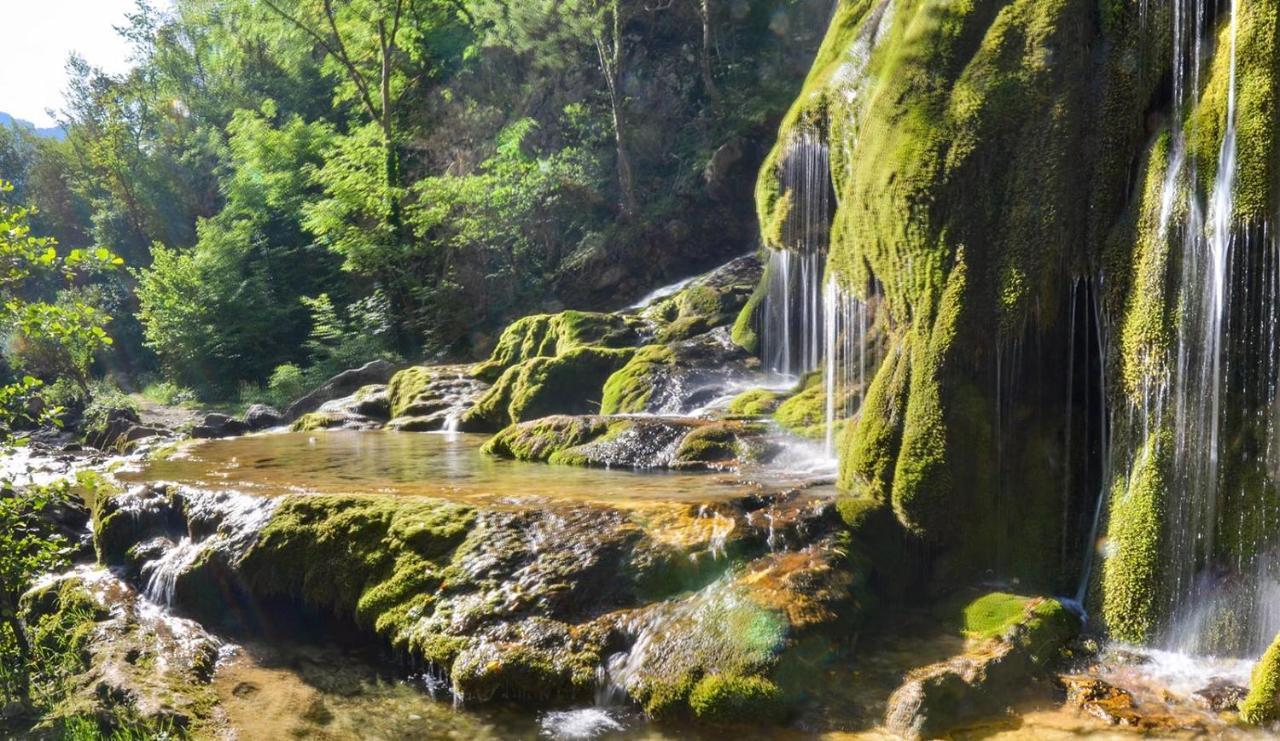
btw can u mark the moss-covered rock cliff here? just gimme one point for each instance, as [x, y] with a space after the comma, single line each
[994, 161]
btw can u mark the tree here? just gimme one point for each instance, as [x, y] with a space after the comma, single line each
[707, 10]
[364, 40]
[65, 333]
[550, 31]
[28, 545]
[228, 309]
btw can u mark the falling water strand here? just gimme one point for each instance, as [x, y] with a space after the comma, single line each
[792, 326]
[847, 321]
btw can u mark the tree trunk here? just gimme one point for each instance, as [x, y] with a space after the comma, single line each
[610, 51]
[392, 165]
[708, 47]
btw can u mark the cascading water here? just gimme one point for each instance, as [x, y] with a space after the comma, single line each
[792, 324]
[809, 319]
[1215, 392]
[847, 324]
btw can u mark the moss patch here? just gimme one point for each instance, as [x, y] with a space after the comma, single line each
[571, 383]
[1262, 705]
[629, 390]
[737, 700]
[552, 335]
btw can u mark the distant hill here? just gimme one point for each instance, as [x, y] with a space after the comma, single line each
[52, 132]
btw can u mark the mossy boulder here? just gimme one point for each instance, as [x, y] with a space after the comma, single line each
[123, 666]
[720, 445]
[737, 700]
[1262, 705]
[553, 335]
[543, 440]
[805, 412]
[630, 442]
[630, 390]
[755, 403]
[712, 301]
[571, 383]
[677, 378]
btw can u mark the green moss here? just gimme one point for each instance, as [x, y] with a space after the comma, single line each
[314, 422]
[1262, 706]
[754, 403]
[628, 391]
[668, 698]
[872, 450]
[1038, 625]
[738, 700]
[716, 443]
[805, 413]
[405, 387]
[992, 615]
[552, 335]
[746, 328]
[570, 383]
[531, 674]
[378, 560]
[542, 439]
[1132, 574]
[1257, 123]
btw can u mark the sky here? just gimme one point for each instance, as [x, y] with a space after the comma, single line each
[38, 36]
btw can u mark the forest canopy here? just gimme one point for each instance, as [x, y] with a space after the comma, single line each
[295, 185]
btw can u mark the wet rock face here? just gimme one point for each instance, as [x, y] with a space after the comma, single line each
[528, 603]
[678, 378]
[136, 664]
[1221, 696]
[427, 399]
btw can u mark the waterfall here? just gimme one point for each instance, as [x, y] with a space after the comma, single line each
[792, 326]
[810, 322]
[1216, 391]
[847, 323]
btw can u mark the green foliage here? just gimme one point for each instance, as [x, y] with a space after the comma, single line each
[229, 309]
[287, 383]
[49, 339]
[29, 548]
[168, 393]
[346, 339]
[106, 399]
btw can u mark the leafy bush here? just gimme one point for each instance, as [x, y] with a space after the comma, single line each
[287, 383]
[106, 399]
[168, 393]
